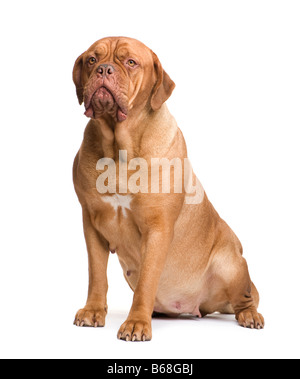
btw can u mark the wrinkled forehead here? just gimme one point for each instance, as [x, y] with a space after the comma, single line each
[121, 47]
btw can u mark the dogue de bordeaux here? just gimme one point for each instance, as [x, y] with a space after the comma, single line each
[178, 256]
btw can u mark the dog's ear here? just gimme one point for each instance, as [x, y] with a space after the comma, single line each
[77, 78]
[164, 85]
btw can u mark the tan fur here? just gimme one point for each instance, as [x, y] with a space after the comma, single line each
[177, 258]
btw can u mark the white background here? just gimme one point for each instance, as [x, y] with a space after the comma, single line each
[237, 69]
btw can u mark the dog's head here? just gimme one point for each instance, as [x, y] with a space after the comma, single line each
[117, 75]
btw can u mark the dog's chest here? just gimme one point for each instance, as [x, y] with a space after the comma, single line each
[113, 217]
[115, 222]
[119, 202]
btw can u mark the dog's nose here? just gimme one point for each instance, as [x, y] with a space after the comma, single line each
[105, 69]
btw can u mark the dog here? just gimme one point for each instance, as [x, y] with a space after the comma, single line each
[177, 254]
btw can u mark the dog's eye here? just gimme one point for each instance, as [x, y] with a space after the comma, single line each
[131, 63]
[92, 60]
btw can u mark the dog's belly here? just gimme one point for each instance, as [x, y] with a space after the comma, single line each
[176, 304]
[180, 292]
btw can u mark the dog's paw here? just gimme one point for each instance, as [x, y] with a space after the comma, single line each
[135, 330]
[251, 319]
[90, 316]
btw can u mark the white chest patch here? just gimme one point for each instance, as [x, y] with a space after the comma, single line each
[117, 201]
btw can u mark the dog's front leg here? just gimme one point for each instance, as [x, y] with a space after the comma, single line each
[155, 247]
[95, 310]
